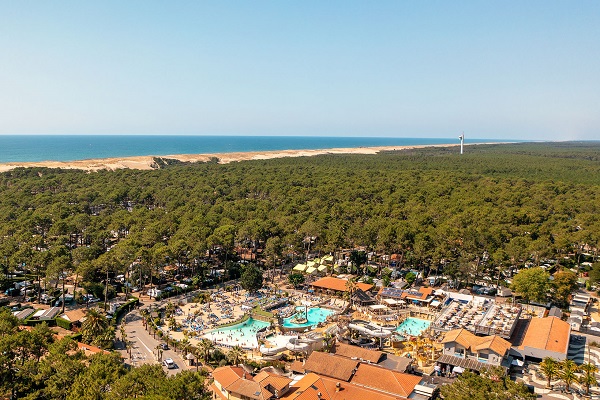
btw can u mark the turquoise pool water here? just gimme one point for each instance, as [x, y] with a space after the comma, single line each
[413, 326]
[315, 315]
[242, 334]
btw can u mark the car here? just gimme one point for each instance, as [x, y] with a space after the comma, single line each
[169, 363]
[89, 298]
[12, 292]
[164, 346]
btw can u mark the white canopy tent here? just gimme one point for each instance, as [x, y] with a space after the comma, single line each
[300, 267]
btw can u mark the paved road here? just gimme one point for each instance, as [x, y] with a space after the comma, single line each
[144, 347]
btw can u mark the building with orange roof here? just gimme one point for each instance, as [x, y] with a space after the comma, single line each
[545, 337]
[235, 383]
[384, 380]
[363, 377]
[369, 382]
[315, 387]
[332, 285]
[349, 351]
[330, 365]
[466, 350]
[90, 350]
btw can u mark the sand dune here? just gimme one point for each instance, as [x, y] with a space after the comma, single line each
[147, 162]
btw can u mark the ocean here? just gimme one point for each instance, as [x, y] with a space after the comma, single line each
[27, 148]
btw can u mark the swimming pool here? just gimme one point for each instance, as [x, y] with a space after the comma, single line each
[315, 315]
[242, 334]
[413, 326]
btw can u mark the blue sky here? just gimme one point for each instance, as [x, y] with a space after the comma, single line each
[504, 69]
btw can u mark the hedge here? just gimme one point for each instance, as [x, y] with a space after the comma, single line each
[238, 321]
[126, 307]
[175, 292]
[63, 323]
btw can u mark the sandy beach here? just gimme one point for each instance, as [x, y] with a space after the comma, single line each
[147, 162]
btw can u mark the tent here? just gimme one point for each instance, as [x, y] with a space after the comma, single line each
[310, 264]
[327, 259]
[310, 270]
[300, 267]
[322, 268]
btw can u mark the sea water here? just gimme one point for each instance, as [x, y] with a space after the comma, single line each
[27, 148]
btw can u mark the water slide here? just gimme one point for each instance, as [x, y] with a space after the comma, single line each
[371, 329]
[271, 350]
[299, 345]
[294, 344]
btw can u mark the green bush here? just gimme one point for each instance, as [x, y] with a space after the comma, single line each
[76, 337]
[126, 307]
[63, 323]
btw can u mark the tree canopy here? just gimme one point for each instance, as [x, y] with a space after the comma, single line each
[252, 278]
[532, 284]
[494, 207]
[490, 385]
[35, 365]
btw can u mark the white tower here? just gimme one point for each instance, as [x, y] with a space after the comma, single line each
[462, 140]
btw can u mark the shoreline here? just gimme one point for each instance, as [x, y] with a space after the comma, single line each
[147, 162]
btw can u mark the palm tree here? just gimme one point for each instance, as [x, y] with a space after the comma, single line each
[122, 331]
[106, 339]
[549, 367]
[169, 309]
[94, 325]
[207, 347]
[567, 373]
[350, 288]
[589, 376]
[236, 354]
[328, 341]
[196, 352]
[184, 345]
[159, 352]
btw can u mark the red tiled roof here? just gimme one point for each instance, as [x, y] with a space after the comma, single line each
[470, 341]
[330, 365]
[550, 333]
[349, 351]
[315, 387]
[227, 375]
[385, 380]
[338, 284]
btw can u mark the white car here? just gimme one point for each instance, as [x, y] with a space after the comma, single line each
[169, 363]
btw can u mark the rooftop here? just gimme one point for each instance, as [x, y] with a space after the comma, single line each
[548, 333]
[338, 284]
[331, 365]
[315, 387]
[385, 380]
[349, 351]
[473, 342]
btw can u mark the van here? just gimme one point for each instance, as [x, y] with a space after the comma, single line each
[169, 363]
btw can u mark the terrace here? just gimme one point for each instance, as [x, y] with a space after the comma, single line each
[479, 315]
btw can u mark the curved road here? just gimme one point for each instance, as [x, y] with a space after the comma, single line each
[144, 346]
